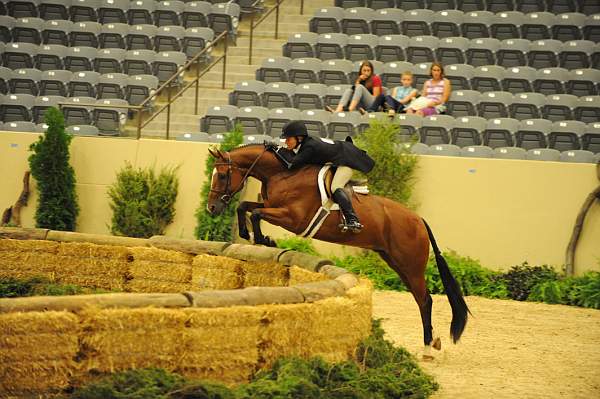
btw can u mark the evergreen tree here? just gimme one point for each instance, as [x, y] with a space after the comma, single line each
[57, 207]
[218, 227]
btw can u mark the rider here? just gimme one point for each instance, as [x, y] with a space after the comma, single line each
[303, 149]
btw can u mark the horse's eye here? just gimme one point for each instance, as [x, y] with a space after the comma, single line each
[222, 176]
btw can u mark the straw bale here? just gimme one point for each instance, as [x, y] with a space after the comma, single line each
[87, 250]
[11, 245]
[100, 272]
[160, 255]
[332, 271]
[156, 285]
[253, 252]
[324, 289]
[189, 246]
[247, 296]
[18, 323]
[265, 274]
[79, 302]
[348, 280]
[299, 275]
[68, 236]
[173, 272]
[303, 260]
[27, 264]
[216, 272]
[34, 380]
[23, 233]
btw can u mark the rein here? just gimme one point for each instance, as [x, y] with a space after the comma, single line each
[227, 193]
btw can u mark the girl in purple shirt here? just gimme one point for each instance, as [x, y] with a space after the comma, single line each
[436, 90]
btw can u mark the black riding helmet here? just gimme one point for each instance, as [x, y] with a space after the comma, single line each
[293, 129]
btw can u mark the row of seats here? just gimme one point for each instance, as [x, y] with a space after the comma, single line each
[109, 118]
[79, 59]
[462, 76]
[53, 86]
[450, 50]
[219, 17]
[554, 6]
[439, 129]
[93, 34]
[482, 151]
[475, 24]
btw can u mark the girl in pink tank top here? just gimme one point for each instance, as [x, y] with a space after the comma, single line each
[437, 90]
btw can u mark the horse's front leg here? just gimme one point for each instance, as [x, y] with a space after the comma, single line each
[246, 206]
[277, 216]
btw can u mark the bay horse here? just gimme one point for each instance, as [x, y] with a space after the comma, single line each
[291, 199]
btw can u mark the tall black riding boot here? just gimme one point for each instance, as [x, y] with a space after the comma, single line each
[352, 222]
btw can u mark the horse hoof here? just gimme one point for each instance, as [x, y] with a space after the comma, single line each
[437, 343]
[428, 358]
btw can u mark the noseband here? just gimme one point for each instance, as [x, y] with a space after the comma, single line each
[227, 193]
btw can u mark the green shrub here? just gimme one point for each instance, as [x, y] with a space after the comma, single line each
[297, 244]
[218, 227]
[14, 288]
[380, 371]
[143, 204]
[549, 291]
[57, 207]
[521, 279]
[585, 290]
[393, 174]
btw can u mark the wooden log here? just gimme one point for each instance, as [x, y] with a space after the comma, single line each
[194, 247]
[251, 296]
[76, 303]
[309, 262]
[100, 239]
[23, 233]
[332, 271]
[323, 289]
[256, 253]
[348, 280]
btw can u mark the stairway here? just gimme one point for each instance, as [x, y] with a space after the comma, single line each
[183, 119]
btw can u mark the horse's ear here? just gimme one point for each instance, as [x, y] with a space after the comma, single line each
[214, 152]
[220, 154]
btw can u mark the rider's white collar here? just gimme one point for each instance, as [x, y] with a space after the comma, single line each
[297, 148]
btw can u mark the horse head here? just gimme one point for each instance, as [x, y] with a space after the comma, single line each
[225, 179]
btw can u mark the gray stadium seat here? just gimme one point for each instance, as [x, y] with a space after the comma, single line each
[278, 117]
[583, 82]
[316, 121]
[527, 106]
[195, 40]
[417, 148]
[494, 104]
[567, 26]
[41, 105]
[224, 17]
[498, 6]
[420, 74]
[459, 75]
[28, 30]
[278, 95]
[550, 81]
[25, 81]
[357, 21]
[507, 25]
[470, 5]
[168, 38]
[252, 119]
[138, 62]
[533, 133]
[54, 9]
[379, 4]
[168, 12]
[50, 57]
[5, 75]
[22, 8]
[85, 34]
[83, 84]
[80, 59]
[84, 10]
[335, 72]
[19, 126]
[350, 3]
[559, 6]
[390, 48]
[476, 24]
[576, 54]
[499, 132]
[327, 20]
[467, 131]
[109, 60]
[16, 107]
[518, 79]
[477, 151]
[195, 14]
[304, 70]
[543, 154]
[309, 96]
[6, 25]
[417, 22]
[218, 119]
[559, 107]
[463, 103]
[334, 94]
[512, 52]
[201, 137]
[591, 30]
[19, 55]
[588, 109]
[54, 83]
[113, 11]
[565, 135]
[140, 87]
[410, 4]
[247, 93]
[579, 156]
[343, 124]
[110, 121]
[448, 150]
[113, 35]
[331, 46]
[167, 63]
[392, 72]
[437, 5]
[300, 45]
[509, 153]
[589, 7]
[409, 127]
[141, 11]
[544, 53]
[112, 86]
[446, 23]
[452, 50]
[482, 51]
[361, 47]
[141, 37]
[274, 69]
[487, 78]
[436, 129]
[78, 110]
[591, 138]
[386, 21]
[537, 26]
[421, 49]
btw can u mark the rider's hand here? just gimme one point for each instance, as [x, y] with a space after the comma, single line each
[270, 145]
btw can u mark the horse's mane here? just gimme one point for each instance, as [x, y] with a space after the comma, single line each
[248, 145]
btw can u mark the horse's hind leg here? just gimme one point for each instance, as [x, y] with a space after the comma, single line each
[243, 208]
[417, 286]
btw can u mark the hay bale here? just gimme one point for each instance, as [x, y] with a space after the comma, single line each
[100, 239]
[189, 246]
[309, 262]
[23, 233]
[221, 343]
[265, 274]
[37, 352]
[159, 270]
[216, 273]
[27, 258]
[299, 275]
[258, 253]
[248, 296]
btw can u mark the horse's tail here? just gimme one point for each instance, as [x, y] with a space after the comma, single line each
[457, 302]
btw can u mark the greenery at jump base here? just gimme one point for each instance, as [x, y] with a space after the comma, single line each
[378, 371]
[57, 207]
[521, 282]
[41, 286]
[143, 201]
[218, 227]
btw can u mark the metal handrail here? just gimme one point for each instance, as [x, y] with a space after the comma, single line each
[167, 84]
[262, 18]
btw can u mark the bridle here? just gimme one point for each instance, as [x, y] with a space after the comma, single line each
[227, 192]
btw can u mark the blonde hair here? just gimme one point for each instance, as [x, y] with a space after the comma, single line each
[407, 73]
